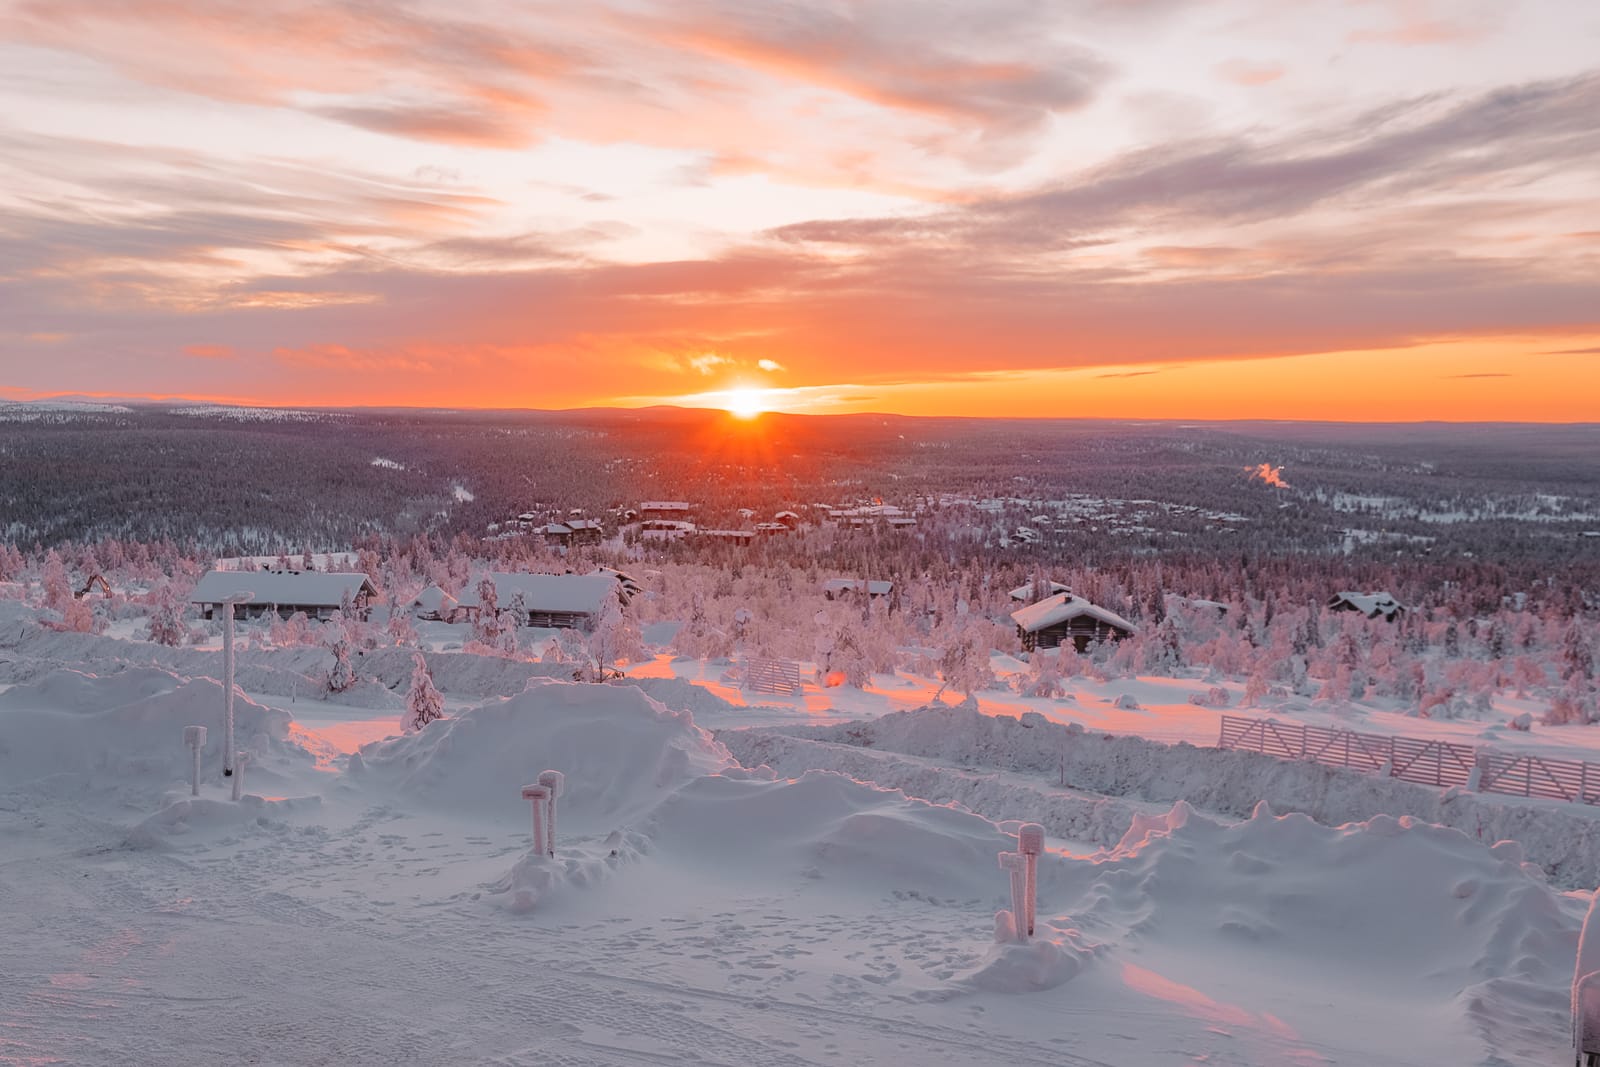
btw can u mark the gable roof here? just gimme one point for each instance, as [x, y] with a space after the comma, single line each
[856, 585]
[1369, 604]
[1025, 593]
[1064, 607]
[583, 594]
[323, 589]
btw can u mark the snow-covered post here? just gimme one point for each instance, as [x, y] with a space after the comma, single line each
[1011, 863]
[539, 795]
[556, 783]
[195, 738]
[228, 605]
[1030, 842]
[239, 760]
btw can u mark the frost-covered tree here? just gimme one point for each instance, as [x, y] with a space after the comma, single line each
[1577, 658]
[57, 585]
[964, 664]
[341, 676]
[616, 634]
[424, 703]
[166, 616]
[486, 627]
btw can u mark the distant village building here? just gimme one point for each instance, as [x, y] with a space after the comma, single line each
[317, 594]
[737, 537]
[839, 588]
[1065, 617]
[789, 518]
[1036, 591]
[435, 604]
[1373, 605]
[1173, 602]
[665, 529]
[574, 532]
[665, 509]
[556, 601]
[769, 528]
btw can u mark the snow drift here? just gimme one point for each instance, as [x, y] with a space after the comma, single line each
[621, 753]
[126, 726]
[1412, 914]
[1560, 838]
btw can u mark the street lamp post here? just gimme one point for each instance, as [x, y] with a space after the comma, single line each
[229, 756]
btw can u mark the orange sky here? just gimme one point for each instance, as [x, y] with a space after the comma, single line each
[1349, 209]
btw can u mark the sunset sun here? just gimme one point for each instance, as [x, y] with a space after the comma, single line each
[744, 403]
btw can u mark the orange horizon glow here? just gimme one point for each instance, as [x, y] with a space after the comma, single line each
[1452, 381]
[1132, 211]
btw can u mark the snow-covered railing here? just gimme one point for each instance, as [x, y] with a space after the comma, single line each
[1411, 759]
[772, 676]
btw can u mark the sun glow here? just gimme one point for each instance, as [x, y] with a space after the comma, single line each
[745, 403]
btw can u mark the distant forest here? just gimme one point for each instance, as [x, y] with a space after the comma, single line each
[1075, 489]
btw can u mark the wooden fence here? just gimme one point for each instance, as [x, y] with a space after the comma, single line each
[772, 676]
[1441, 763]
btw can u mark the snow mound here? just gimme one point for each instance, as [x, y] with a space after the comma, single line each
[185, 814]
[621, 753]
[1052, 957]
[680, 694]
[1401, 909]
[126, 726]
[827, 826]
[575, 868]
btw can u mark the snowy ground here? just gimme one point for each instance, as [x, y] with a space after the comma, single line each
[388, 909]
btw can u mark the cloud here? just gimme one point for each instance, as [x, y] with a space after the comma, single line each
[210, 351]
[769, 365]
[1128, 374]
[1249, 74]
[1485, 374]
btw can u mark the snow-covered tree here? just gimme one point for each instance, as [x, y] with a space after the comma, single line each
[166, 616]
[341, 675]
[1577, 658]
[486, 627]
[424, 703]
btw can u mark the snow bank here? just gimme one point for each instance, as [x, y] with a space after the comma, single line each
[827, 826]
[680, 694]
[1561, 838]
[621, 753]
[298, 671]
[126, 726]
[203, 816]
[1406, 911]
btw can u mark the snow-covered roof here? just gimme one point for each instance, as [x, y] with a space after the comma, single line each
[630, 584]
[1064, 607]
[665, 505]
[581, 593]
[1026, 593]
[434, 599]
[1369, 604]
[309, 588]
[583, 524]
[855, 585]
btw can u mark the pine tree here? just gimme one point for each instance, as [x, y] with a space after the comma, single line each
[424, 703]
